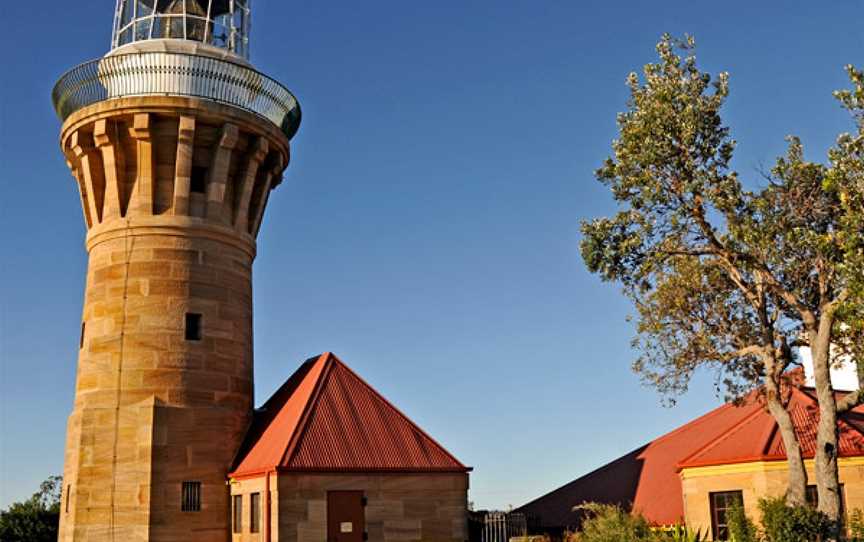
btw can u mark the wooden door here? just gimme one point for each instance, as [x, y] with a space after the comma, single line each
[346, 517]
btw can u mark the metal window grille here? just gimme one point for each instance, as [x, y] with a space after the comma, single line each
[191, 497]
[237, 515]
[254, 512]
[222, 23]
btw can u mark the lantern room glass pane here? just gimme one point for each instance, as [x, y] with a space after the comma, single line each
[223, 23]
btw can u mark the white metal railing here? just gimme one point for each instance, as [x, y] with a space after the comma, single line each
[176, 74]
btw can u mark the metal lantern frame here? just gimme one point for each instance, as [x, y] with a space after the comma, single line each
[223, 23]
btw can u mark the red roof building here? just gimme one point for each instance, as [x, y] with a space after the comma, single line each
[734, 451]
[326, 441]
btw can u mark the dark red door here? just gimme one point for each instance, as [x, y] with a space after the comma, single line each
[346, 518]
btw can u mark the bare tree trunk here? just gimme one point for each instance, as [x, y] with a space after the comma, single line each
[796, 490]
[827, 438]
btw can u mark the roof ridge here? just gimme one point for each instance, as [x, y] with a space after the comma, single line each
[734, 428]
[303, 422]
[703, 418]
[387, 403]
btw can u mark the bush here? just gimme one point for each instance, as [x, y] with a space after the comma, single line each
[608, 523]
[856, 526]
[741, 528]
[783, 523]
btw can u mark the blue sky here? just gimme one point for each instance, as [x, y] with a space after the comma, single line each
[427, 228]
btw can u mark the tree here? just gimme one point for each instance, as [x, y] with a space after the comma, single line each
[36, 519]
[724, 277]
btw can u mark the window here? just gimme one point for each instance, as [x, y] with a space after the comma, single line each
[721, 503]
[83, 334]
[68, 493]
[237, 516]
[254, 512]
[193, 326]
[191, 499]
[198, 181]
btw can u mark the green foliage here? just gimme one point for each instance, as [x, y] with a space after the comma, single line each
[722, 276]
[680, 533]
[608, 523]
[741, 528]
[783, 523]
[856, 526]
[37, 518]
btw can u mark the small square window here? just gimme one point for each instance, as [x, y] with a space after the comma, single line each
[198, 181]
[191, 498]
[254, 512]
[237, 515]
[193, 326]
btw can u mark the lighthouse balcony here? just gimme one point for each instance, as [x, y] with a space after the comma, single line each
[159, 73]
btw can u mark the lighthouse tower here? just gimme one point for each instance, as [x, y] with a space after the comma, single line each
[175, 142]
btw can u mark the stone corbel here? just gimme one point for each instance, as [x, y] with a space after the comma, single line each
[143, 196]
[257, 155]
[91, 171]
[113, 160]
[183, 168]
[218, 177]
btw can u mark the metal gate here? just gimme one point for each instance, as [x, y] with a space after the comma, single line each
[497, 526]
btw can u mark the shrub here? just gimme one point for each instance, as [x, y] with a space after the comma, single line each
[741, 528]
[783, 523]
[608, 523]
[856, 526]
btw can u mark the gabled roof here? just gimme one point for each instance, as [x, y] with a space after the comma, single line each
[325, 418]
[757, 438]
[648, 479]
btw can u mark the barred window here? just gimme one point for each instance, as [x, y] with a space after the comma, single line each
[191, 498]
[237, 516]
[255, 512]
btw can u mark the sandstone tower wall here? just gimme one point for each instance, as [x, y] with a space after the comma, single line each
[173, 192]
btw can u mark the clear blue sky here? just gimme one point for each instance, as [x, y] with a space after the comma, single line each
[427, 231]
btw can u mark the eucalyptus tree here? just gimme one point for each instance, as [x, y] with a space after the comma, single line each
[724, 276]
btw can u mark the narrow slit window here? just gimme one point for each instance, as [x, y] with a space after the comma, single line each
[68, 494]
[237, 514]
[198, 181]
[83, 334]
[191, 498]
[193, 326]
[254, 512]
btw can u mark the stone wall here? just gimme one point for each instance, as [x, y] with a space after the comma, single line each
[400, 507]
[755, 481]
[154, 408]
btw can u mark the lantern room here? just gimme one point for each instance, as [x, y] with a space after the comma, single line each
[220, 23]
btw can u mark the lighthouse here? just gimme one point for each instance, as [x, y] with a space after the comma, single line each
[175, 142]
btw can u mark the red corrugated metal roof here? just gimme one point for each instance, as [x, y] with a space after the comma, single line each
[326, 418]
[648, 479]
[758, 438]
